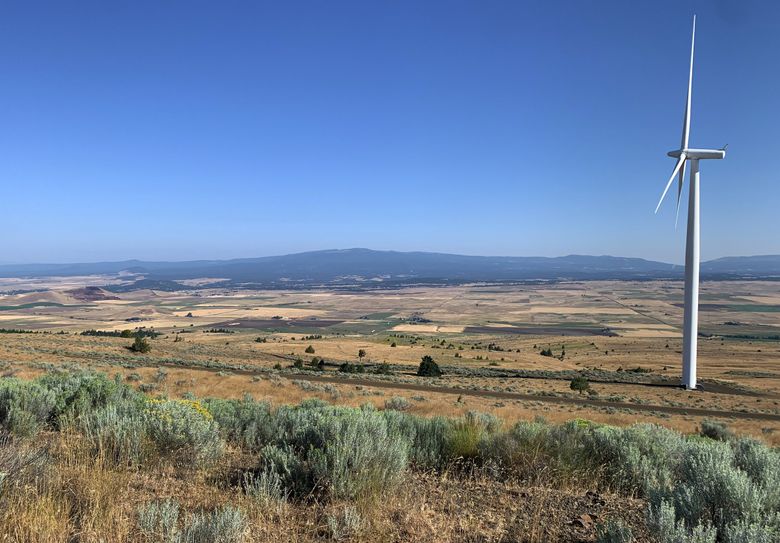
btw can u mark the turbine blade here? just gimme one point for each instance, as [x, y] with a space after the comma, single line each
[680, 181]
[680, 162]
[687, 119]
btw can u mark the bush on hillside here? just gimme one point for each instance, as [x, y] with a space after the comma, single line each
[117, 433]
[580, 384]
[383, 369]
[79, 393]
[245, 422]
[428, 368]
[140, 345]
[25, 406]
[399, 403]
[715, 430]
[348, 367]
[341, 452]
[159, 521]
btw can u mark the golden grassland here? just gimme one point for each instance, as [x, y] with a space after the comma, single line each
[399, 327]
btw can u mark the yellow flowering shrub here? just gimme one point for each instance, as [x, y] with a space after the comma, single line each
[184, 428]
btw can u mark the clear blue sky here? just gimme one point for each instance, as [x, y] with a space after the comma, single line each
[181, 130]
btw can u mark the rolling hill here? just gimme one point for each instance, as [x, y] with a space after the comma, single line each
[368, 267]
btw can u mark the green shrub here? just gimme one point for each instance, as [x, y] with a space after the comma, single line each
[267, 486]
[428, 368]
[580, 384]
[711, 490]
[140, 345]
[348, 367]
[428, 437]
[466, 434]
[310, 350]
[715, 430]
[383, 369]
[25, 406]
[635, 460]
[360, 457]
[288, 469]
[399, 403]
[117, 433]
[158, 521]
[244, 422]
[344, 452]
[344, 524]
[523, 450]
[662, 523]
[762, 466]
[224, 525]
[766, 530]
[80, 393]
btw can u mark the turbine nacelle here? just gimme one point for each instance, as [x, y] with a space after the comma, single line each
[698, 154]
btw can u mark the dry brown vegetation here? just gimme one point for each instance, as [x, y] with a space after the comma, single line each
[77, 498]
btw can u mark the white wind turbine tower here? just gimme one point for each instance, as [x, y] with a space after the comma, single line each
[684, 154]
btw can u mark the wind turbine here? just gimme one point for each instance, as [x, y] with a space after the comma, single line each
[692, 259]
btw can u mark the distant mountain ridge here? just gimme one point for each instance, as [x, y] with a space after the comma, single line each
[365, 266]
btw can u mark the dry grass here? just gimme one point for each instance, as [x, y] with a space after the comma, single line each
[80, 499]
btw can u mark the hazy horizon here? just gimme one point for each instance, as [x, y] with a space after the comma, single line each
[181, 131]
[132, 259]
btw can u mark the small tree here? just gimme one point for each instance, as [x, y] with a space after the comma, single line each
[428, 368]
[361, 354]
[310, 349]
[580, 384]
[140, 345]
